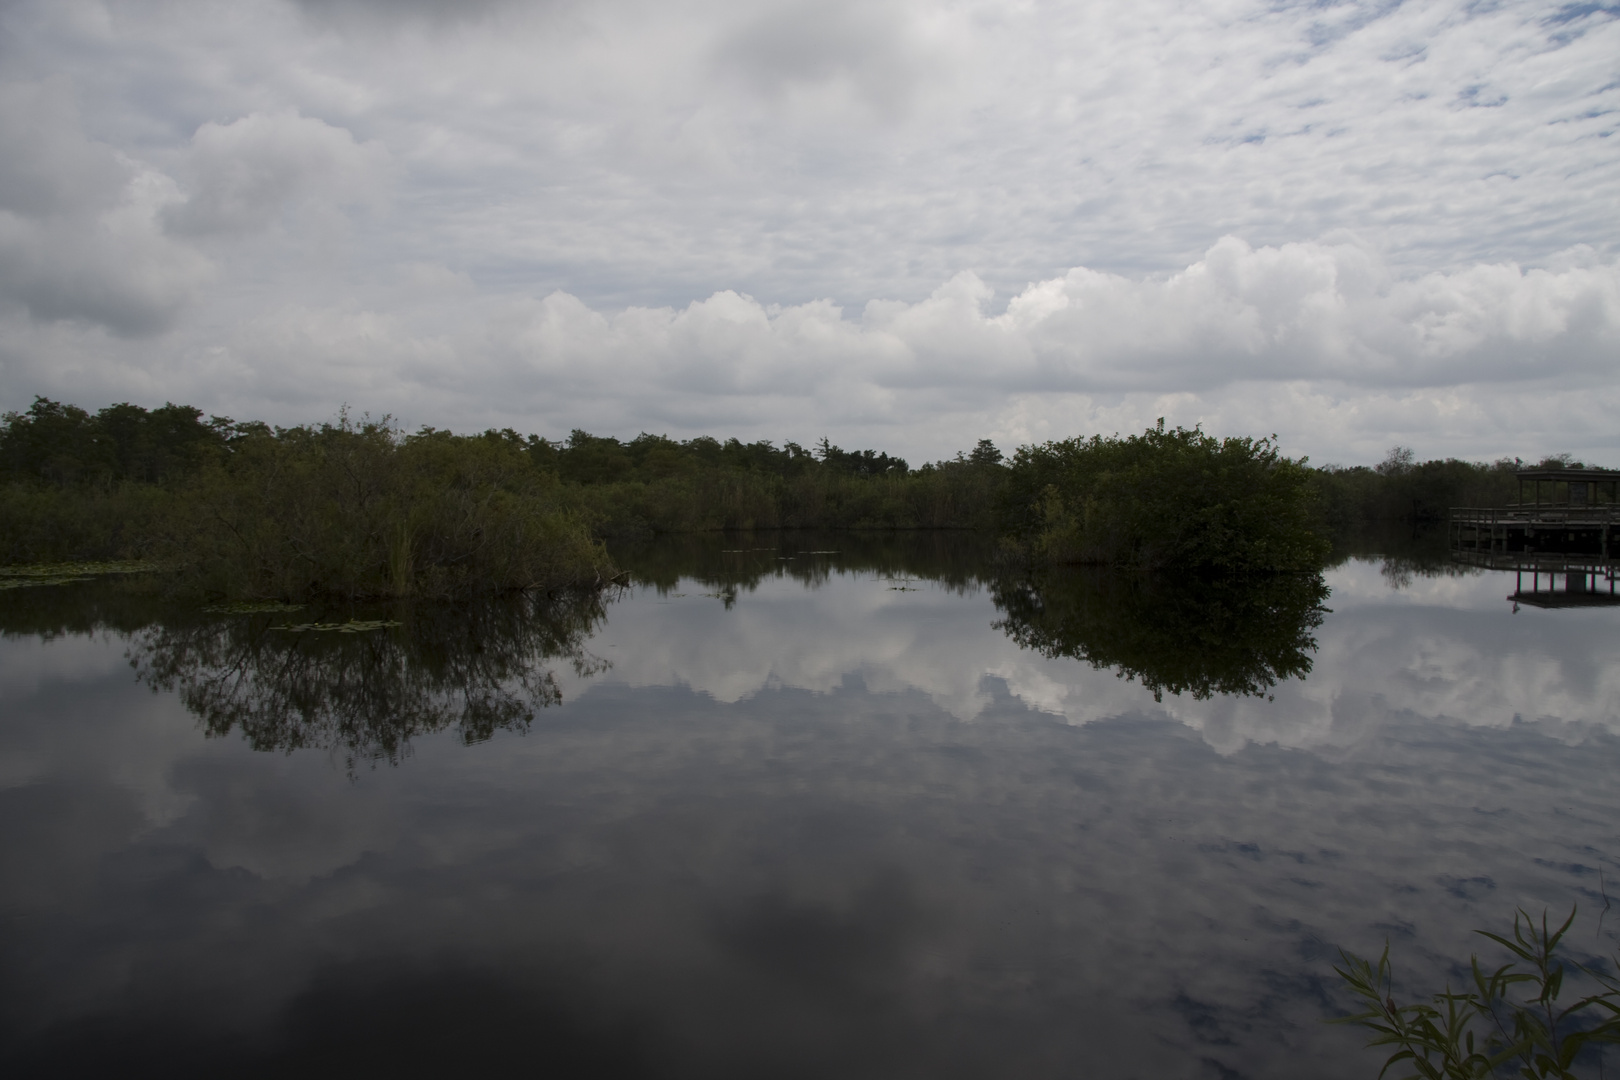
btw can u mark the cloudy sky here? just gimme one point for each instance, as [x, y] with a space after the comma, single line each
[900, 223]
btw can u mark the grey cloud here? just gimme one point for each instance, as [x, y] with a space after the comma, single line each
[79, 235]
[48, 166]
[249, 170]
[804, 45]
[385, 12]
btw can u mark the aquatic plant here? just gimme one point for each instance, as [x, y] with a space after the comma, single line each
[1511, 1018]
[66, 573]
[41, 523]
[251, 607]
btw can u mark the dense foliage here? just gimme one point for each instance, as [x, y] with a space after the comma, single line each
[656, 484]
[79, 485]
[1401, 488]
[1165, 498]
[361, 510]
[365, 509]
[243, 510]
[62, 445]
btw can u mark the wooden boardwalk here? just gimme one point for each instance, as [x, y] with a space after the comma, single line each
[1592, 531]
[1572, 513]
[1567, 534]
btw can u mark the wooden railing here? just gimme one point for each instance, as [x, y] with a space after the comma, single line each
[1532, 515]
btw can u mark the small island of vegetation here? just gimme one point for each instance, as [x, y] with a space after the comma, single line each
[1177, 499]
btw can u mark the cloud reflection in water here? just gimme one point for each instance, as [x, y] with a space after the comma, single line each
[841, 830]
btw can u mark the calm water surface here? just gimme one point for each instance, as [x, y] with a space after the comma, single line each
[786, 807]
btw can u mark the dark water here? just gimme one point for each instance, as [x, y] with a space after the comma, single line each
[777, 814]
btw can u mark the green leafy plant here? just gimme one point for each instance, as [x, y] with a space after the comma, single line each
[1168, 499]
[1511, 1022]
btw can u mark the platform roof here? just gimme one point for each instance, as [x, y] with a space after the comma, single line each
[1589, 475]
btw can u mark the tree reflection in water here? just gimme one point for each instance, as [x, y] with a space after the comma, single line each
[1172, 634]
[476, 668]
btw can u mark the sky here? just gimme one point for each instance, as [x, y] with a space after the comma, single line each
[899, 224]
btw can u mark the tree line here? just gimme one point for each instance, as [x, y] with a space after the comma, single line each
[364, 507]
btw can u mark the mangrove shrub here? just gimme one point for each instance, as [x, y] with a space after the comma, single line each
[1164, 499]
[353, 510]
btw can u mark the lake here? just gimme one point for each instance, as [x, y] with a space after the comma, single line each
[786, 806]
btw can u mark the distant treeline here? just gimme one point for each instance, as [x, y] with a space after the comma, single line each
[127, 481]
[242, 510]
[365, 509]
[1403, 489]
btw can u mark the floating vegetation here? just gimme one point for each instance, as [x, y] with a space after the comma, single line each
[76, 569]
[353, 626]
[66, 573]
[903, 588]
[27, 582]
[252, 607]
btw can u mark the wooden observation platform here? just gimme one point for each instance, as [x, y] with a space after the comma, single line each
[1568, 530]
[1571, 512]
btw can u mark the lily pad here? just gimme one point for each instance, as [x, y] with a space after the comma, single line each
[25, 575]
[353, 626]
[75, 569]
[252, 607]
